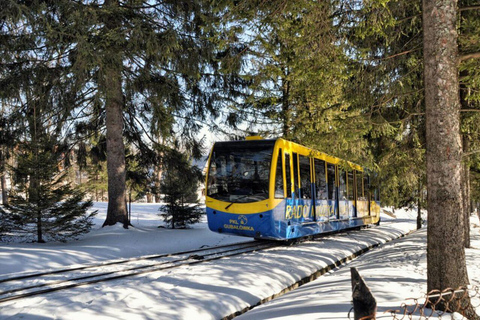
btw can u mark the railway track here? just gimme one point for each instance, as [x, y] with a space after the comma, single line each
[27, 285]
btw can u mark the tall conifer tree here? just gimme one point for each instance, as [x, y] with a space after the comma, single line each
[295, 75]
[38, 92]
[143, 68]
[180, 188]
[446, 253]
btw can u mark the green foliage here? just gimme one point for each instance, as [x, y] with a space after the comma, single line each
[469, 43]
[153, 60]
[295, 76]
[38, 96]
[167, 68]
[387, 84]
[179, 186]
[139, 177]
[475, 185]
[43, 204]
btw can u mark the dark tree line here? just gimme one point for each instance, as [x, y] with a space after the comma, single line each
[113, 73]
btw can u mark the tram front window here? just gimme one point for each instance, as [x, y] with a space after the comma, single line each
[239, 171]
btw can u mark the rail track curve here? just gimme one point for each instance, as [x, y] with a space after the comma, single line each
[31, 284]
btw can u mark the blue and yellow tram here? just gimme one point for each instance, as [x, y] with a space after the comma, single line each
[277, 189]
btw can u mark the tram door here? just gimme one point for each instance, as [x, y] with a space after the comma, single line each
[305, 189]
[279, 177]
[351, 193]
[332, 191]
[362, 203]
[323, 209]
[343, 207]
[301, 196]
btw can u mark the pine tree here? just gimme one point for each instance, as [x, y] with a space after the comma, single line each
[40, 94]
[91, 157]
[44, 204]
[446, 254]
[387, 84]
[144, 70]
[179, 186]
[469, 48]
[6, 138]
[295, 74]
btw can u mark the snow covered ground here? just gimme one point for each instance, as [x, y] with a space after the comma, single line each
[212, 290]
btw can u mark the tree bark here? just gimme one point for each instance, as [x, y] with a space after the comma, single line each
[419, 214]
[112, 87]
[158, 178]
[3, 180]
[466, 195]
[286, 108]
[117, 210]
[446, 264]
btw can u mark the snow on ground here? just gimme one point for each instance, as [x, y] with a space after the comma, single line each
[395, 273]
[216, 289]
[111, 242]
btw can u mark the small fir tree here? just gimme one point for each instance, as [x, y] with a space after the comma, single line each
[44, 204]
[179, 187]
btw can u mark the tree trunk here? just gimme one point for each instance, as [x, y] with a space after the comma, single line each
[4, 189]
[286, 108]
[117, 211]
[112, 87]
[446, 265]
[158, 178]
[466, 195]
[39, 228]
[419, 213]
[419, 205]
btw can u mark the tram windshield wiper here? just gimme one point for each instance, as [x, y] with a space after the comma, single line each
[241, 197]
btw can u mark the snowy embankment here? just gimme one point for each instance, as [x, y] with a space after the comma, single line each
[395, 273]
[220, 288]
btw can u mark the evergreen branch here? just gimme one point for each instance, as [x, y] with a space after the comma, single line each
[463, 57]
[470, 110]
[409, 18]
[144, 5]
[397, 54]
[468, 8]
[142, 127]
[466, 154]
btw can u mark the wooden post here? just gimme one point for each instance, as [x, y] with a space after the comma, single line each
[364, 304]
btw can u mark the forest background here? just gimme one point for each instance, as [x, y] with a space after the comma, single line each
[344, 77]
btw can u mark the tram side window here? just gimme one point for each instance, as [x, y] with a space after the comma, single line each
[295, 175]
[351, 186]
[342, 187]
[359, 176]
[279, 177]
[320, 180]
[287, 175]
[331, 181]
[305, 181]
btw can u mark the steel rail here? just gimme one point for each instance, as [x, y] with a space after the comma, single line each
[52, 286]
[117, 262]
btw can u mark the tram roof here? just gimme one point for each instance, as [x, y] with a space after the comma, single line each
[290, 145]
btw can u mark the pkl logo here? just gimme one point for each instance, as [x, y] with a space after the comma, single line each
[243, 220]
